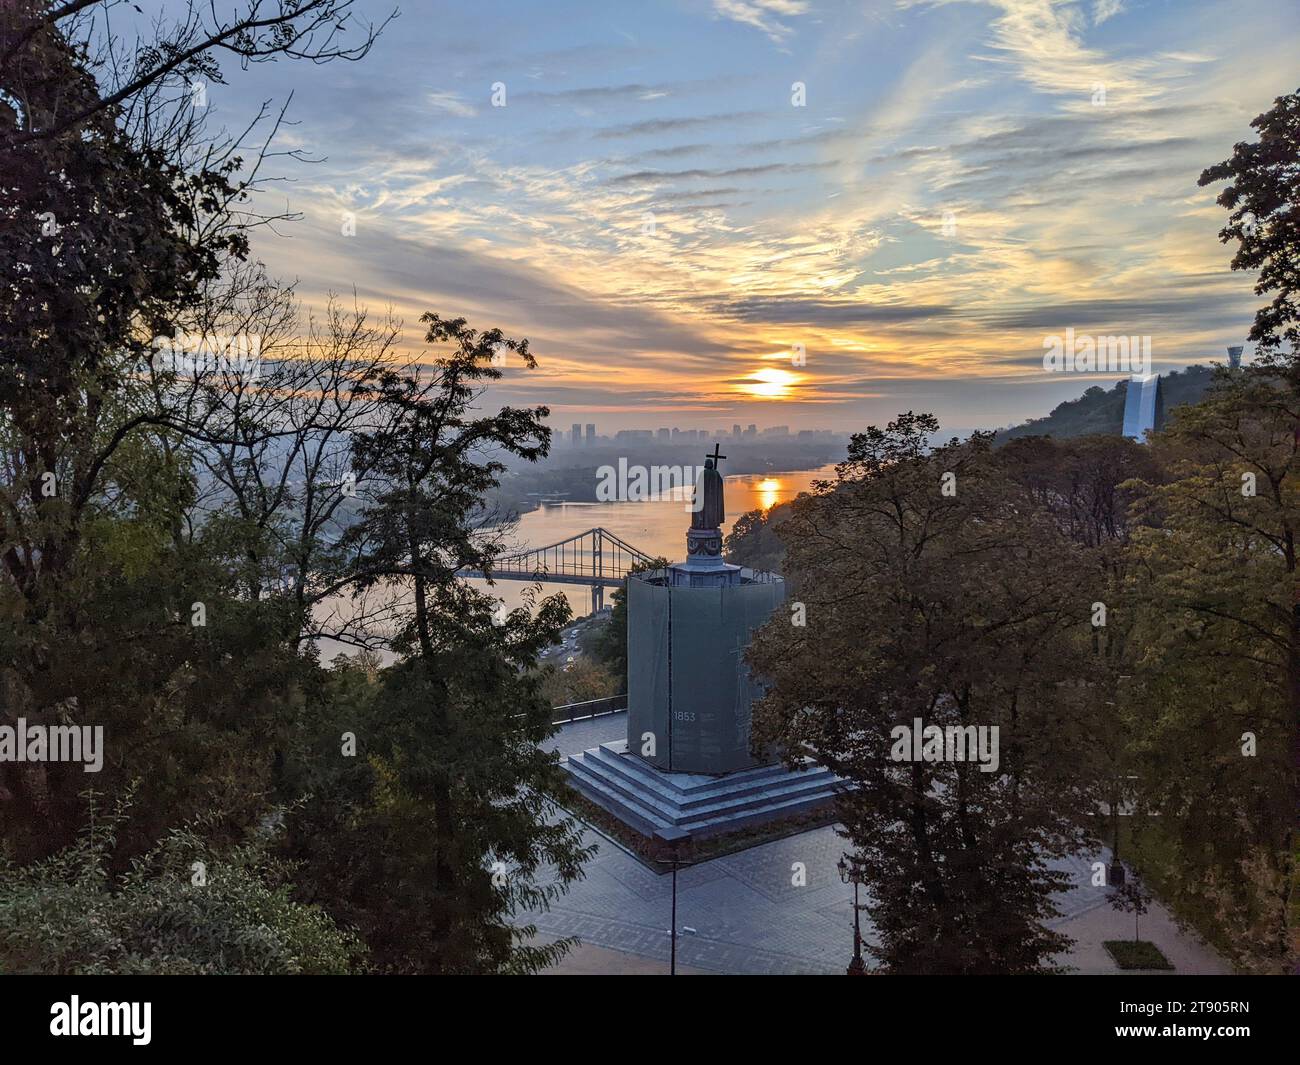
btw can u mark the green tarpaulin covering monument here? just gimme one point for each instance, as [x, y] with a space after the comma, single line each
[687, 760]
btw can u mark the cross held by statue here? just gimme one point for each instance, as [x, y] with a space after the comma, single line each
[715, 456]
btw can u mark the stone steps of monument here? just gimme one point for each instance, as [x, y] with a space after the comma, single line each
[594, 788]
[646, 817]
[758, 815]
[614, 755]
[645, 797]
[709, 795]
[703, 791]
[717, 804]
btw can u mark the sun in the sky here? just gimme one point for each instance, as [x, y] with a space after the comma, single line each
[771, 382]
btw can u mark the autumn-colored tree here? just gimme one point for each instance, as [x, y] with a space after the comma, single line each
[580, 681]
[1216, 658]
[1263, 198]
[936, 593]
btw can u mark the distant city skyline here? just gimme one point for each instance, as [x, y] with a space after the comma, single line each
[583, 434]
[701, 211]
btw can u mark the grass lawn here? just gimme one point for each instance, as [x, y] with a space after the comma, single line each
[1136, 954]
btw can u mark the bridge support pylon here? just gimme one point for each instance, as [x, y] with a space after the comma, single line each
[597, 597]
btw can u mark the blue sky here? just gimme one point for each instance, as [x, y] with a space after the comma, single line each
[653, 211]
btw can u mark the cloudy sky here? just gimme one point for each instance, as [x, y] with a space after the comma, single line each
[656, 212]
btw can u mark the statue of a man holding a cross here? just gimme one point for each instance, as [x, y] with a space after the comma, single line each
[709, 509]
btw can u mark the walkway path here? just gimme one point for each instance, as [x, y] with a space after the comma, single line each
[749, 913]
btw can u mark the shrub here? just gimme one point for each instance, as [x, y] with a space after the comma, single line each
[183, 908]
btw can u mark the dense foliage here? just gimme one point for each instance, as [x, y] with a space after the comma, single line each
[177, 533]
[1127, 616]
[981, 608]
[184, 908]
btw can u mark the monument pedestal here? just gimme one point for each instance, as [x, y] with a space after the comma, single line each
[647, 798]
[687, 761]
[704, 567]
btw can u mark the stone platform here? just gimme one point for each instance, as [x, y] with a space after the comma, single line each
[647, 798]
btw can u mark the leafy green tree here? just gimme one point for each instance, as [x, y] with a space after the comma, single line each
[95, 264]
[445, 832]
[1083, 485]
[755, 541]
[111, 235]
[1131, 897]
[190, 680]
[935, 592]
[1263, 198]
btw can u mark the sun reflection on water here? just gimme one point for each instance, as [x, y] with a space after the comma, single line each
[768, 491]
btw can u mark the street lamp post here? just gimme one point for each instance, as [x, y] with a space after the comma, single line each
[674, 837]
[852, 872]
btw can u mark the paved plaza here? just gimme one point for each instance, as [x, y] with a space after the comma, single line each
[747, 912]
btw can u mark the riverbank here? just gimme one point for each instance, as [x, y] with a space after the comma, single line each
[572, 475]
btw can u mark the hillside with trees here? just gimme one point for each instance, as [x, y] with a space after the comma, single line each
[1101, 410]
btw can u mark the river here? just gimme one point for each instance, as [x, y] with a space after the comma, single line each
[655, 526]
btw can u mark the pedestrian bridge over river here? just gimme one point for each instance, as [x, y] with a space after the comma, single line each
[596, 558]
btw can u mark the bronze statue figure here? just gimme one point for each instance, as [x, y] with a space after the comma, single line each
[710, 511]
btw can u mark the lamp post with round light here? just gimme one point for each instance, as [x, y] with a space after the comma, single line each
[852, 872]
